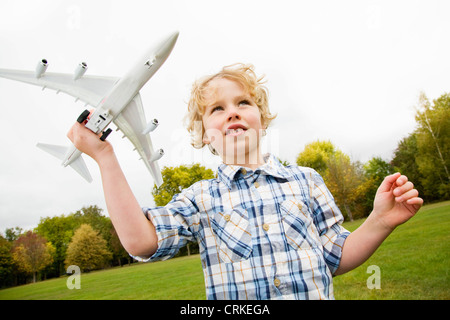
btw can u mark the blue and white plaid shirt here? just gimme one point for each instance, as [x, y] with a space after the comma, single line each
[272, 233]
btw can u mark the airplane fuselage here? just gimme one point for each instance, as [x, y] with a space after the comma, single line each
[129, 86]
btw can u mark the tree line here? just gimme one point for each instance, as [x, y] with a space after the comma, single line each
[86, 238]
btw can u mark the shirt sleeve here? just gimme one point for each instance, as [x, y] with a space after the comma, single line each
[328, 220]
[175, 224]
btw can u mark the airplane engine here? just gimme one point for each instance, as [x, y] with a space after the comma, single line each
[150, 126]
[41, 68]
[80, 71]
[157, 155]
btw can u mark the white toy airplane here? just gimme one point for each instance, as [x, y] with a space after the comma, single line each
[115, 99]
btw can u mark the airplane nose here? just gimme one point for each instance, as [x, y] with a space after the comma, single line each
[174, 37]
[167, 44]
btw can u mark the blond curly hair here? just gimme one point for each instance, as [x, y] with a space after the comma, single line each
[244, 75]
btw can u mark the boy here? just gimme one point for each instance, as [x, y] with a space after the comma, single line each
[265, 231]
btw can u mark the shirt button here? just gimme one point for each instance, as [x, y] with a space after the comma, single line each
[227, 217]
[276, 282]
[244, 172]
[256, 184]
[266, 227]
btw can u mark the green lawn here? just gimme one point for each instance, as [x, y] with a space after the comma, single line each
[178, 278]
[413, 261]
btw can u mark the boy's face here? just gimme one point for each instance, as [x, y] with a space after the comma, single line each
[232, 122]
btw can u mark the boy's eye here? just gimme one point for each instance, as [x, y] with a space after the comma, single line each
[246, 102]
[216, 109]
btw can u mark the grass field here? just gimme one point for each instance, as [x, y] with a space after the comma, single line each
[414, 264]
[414, 260]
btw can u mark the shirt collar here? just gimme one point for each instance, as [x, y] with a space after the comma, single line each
[272, 166]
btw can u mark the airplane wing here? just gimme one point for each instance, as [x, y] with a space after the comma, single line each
[89, 89]
[131, 121]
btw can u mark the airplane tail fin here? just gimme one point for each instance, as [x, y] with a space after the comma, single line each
[80, 166]
[56, 151]
[60, 152]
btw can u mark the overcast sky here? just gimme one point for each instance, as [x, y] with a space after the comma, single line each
[346, 71]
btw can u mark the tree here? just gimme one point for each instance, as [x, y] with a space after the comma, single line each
[6, 263]
[374, 172]
[117, 249]
[424, 156]
[93, 216]
[13, 234]
[59, 231]
[32, 253]
[176, 179]
[377, 169]
[316, 155]
[404, 160]
[433, 142]
[87, 250]
[342, 179]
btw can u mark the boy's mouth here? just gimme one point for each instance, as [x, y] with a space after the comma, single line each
[235, 130]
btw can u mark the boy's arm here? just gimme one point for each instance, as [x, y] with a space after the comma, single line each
[396, 202]
[135, 231]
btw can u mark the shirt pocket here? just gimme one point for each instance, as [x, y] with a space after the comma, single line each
[233, 235]
[298, 225]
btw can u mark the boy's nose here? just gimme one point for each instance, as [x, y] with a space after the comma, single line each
[234, 114]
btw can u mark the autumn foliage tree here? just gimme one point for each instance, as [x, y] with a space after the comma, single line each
[316, 155]
[32, 253]
[87, 250]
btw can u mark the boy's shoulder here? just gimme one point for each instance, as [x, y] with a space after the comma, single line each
[295, 169]
[201, 184]
[304, 173]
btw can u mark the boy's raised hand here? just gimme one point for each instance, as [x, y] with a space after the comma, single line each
[88, 142]
[396, 201]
